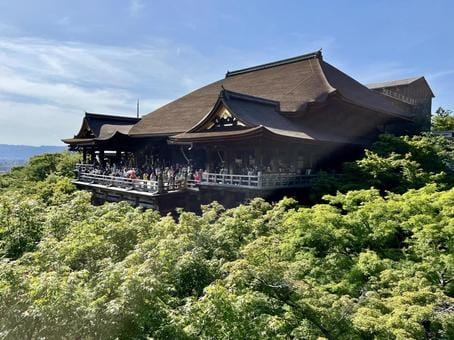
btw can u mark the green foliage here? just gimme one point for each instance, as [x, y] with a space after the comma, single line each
[39, 167]
[442, 120]
[394, 164]
[21, 223]
[362, 265]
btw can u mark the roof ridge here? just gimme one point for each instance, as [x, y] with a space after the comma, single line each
[312, 55]
[402, 81]
[104, 115]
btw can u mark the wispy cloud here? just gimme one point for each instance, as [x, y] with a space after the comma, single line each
[135, 7]
[46, 85]
[441, 74]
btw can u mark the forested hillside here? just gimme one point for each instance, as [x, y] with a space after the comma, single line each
[374, 259]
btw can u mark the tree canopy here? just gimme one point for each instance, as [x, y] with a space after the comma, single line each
[362, 264]
[442, 120]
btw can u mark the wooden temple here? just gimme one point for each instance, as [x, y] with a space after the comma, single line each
[258, 130]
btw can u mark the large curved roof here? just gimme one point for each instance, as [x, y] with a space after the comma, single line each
[294, 84]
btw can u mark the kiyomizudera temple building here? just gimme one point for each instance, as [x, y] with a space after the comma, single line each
[261, 131]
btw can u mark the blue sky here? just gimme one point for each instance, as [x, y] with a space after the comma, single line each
[61, 58]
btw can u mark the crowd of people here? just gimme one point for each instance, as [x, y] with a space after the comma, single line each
[169, 174]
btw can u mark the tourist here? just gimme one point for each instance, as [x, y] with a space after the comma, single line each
[197, 177]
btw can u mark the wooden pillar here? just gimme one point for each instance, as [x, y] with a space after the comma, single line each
[137, 159]
[92, 155]
[259, 156]
[160, 183]
[293, 156]
[274, 159]
[208, 166]
[311, 158]
[229, 158]
[84, 155]
[101, 157]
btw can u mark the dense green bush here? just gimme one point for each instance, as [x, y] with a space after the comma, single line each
[361, 265]
[394, 164]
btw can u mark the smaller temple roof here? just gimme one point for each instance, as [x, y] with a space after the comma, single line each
[102, 124]
[400, 82]
[101, 127]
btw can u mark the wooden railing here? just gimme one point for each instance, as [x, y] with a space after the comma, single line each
[192, 184]
[84, 167]
[130, 184]
[285, 180]
[119, 182]
[261, 181]
[230, 180]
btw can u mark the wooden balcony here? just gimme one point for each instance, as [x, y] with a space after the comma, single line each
[87, 177]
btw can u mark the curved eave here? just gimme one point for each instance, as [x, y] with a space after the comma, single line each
[79, 141]
[194, 137]
[255, 132]
[115, 137]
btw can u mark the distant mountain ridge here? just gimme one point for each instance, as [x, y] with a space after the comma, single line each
[24, 152]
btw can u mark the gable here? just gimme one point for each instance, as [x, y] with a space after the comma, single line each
[421, 89]
[221, 119]
[412, 91]
[85, 131]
